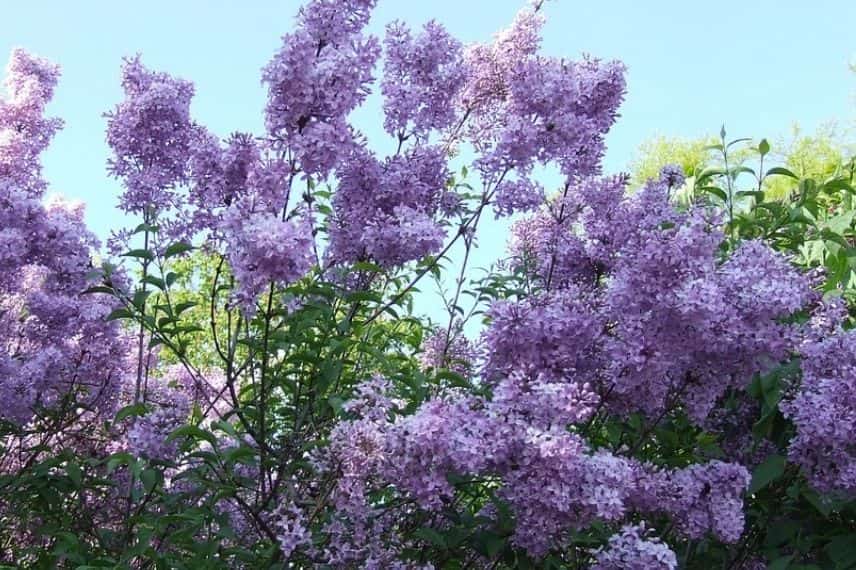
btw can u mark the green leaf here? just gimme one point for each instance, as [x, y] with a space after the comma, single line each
[708, 173]
[181, 307]
[129, 411]
[177, 249]
[493, 545]
[736, 141]
[367, 266]
[150, 479]
[192, 432]
[241, 454]
[840, 223]
[759, 196]
[741, 170]
[140, 297]
[145, 228]
[431, 536]
[837, 184]
[156, 281]
[139, 253]
[822, 505]
[72, 469]
[780, 170]
[842, 550]
[780, 563]
[336, 403]
[767, 472]
[718, 192]
[225, 426]
[117, 459]
[99, 289]
[119, 314]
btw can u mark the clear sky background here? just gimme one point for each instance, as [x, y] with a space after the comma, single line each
[756, 65]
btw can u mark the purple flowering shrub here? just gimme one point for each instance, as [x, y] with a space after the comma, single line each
[244, 382]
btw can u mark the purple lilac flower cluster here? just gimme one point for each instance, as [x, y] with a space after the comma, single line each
[549, 476]
[824, 413]
[634, 549]
[528, 109]
[385, 211]
[150, 133]
[53, 342]
[421, 76]
[321, 74]
[448, 348]
[647, 289]
[264, 249]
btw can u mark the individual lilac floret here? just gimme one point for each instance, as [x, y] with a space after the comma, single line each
[634, 549]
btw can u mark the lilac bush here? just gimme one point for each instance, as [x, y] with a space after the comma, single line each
[245, 383]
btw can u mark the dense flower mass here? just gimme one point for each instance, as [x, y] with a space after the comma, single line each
[633, 550]
[385, 211]
[219, 175]
[265, 249]
[824, 412]
[448, 348]
[550, 478]
[422, 75]
[248, 384]
[54, 344]
[646, 289]
[321, 74]
[24, 130]
[529, 109]
[705, 498]
[150, 133]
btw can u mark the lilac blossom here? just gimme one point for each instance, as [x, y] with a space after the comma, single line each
[823, 410]
[422, 76]
[24, 130]
[321, 74]
[265, 249]
[634, 549]
[150, 133]
[385, 211]
[449, 349]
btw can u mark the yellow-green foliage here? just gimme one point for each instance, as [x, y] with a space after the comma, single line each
[818, 155]
[689, 154]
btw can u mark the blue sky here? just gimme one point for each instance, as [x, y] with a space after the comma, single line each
[757, 66]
